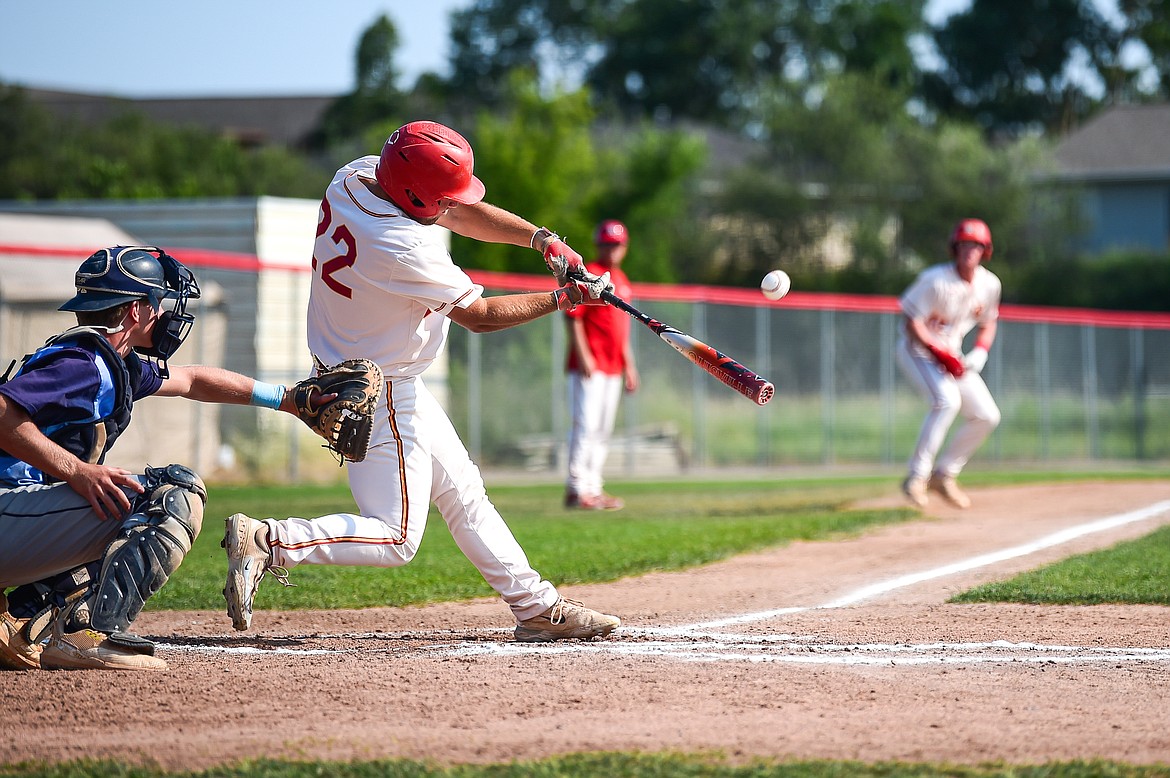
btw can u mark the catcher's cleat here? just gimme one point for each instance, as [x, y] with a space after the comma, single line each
[564, 620]
[248, 560]
[946, 486]
[915, 490]
[16, 651]
[88, 649]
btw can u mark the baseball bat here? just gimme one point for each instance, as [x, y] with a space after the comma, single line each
[723, 367]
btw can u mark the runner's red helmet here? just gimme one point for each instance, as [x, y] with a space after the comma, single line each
[974, 230]
[611, 232]
[425, 162]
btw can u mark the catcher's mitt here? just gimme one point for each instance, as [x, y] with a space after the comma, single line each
[347, 420]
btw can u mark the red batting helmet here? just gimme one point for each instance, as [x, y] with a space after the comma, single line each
[424, 162]
[611, 232]
[974, 230]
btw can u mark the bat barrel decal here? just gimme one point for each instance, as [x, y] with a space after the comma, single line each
[749, 384]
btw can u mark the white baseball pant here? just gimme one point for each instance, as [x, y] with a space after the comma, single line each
[593, 404]
[415, 458]
[948, 397]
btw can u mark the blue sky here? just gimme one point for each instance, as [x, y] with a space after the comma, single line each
[164, 48]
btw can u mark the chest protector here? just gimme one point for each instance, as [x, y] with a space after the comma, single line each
[90, 439]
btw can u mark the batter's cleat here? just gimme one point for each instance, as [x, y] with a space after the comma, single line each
[915, 490]
[248, 560]
[16, 651]
[946, 486]
[88, 649]
[565, 620]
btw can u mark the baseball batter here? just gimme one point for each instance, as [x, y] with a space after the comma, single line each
[384, 287]
[600, 364]
[941, 307]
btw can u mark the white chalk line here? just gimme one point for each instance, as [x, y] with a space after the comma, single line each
[704, 643]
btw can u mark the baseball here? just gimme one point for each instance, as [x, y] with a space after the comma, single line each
[775, 285]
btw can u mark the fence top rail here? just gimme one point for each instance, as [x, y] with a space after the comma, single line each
[685, 293]
[834, 301]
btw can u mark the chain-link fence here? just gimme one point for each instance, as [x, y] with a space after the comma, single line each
[1072, 386]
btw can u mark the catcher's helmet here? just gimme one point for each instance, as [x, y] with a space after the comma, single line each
[974, 230]
[424, 162]
[611, 232]
[123, 274]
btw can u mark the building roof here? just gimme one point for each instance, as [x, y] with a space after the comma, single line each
[1127, 142]
[40, 254]
[252, 121]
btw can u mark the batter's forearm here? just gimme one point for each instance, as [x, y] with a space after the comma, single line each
[490, 224]
[491, 314]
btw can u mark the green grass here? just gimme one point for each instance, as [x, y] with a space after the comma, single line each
[665, 526]
[1134, 572]
[601, 764]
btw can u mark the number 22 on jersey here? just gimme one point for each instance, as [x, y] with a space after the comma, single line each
[342, 238]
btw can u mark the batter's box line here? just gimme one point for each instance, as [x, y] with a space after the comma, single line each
[830, 654]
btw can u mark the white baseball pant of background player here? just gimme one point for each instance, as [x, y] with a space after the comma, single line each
[948, 397]
[593, 403]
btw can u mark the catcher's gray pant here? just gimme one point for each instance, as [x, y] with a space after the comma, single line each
[593, 403]
[45, 530]
[415, 458]
[948, 397]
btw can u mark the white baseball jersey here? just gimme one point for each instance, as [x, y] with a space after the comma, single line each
[950, 306]
[381, 280]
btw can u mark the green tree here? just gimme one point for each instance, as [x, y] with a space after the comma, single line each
[543, 158]
[375, 97]
[856, 195]
[647, 181]
[1145, 24]
[1006, 63]
[536, 159]
[43, 158]
[717, 61]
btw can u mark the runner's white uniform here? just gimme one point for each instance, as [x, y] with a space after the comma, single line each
[951, 308]
[381, 284]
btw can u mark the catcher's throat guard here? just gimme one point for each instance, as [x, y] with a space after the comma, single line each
[347, 421]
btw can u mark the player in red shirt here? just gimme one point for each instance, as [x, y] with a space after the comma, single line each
[600, 364]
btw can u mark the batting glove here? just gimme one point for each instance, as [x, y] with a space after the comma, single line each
[560, 259]
[975, 360]
[583, 292]
[948, 360]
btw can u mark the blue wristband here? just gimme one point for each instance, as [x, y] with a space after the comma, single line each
[267, 395]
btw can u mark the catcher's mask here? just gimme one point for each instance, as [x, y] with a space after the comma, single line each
[123, 274]
[425, 162]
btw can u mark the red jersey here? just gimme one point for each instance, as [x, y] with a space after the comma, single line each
[606, 328]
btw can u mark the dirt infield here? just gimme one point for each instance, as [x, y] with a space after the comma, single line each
[815, 650]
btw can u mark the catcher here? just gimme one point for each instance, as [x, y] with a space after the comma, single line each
[85, 544]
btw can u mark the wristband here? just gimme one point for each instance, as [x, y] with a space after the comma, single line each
[267, 395]
[563, 300]
[545, 239]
